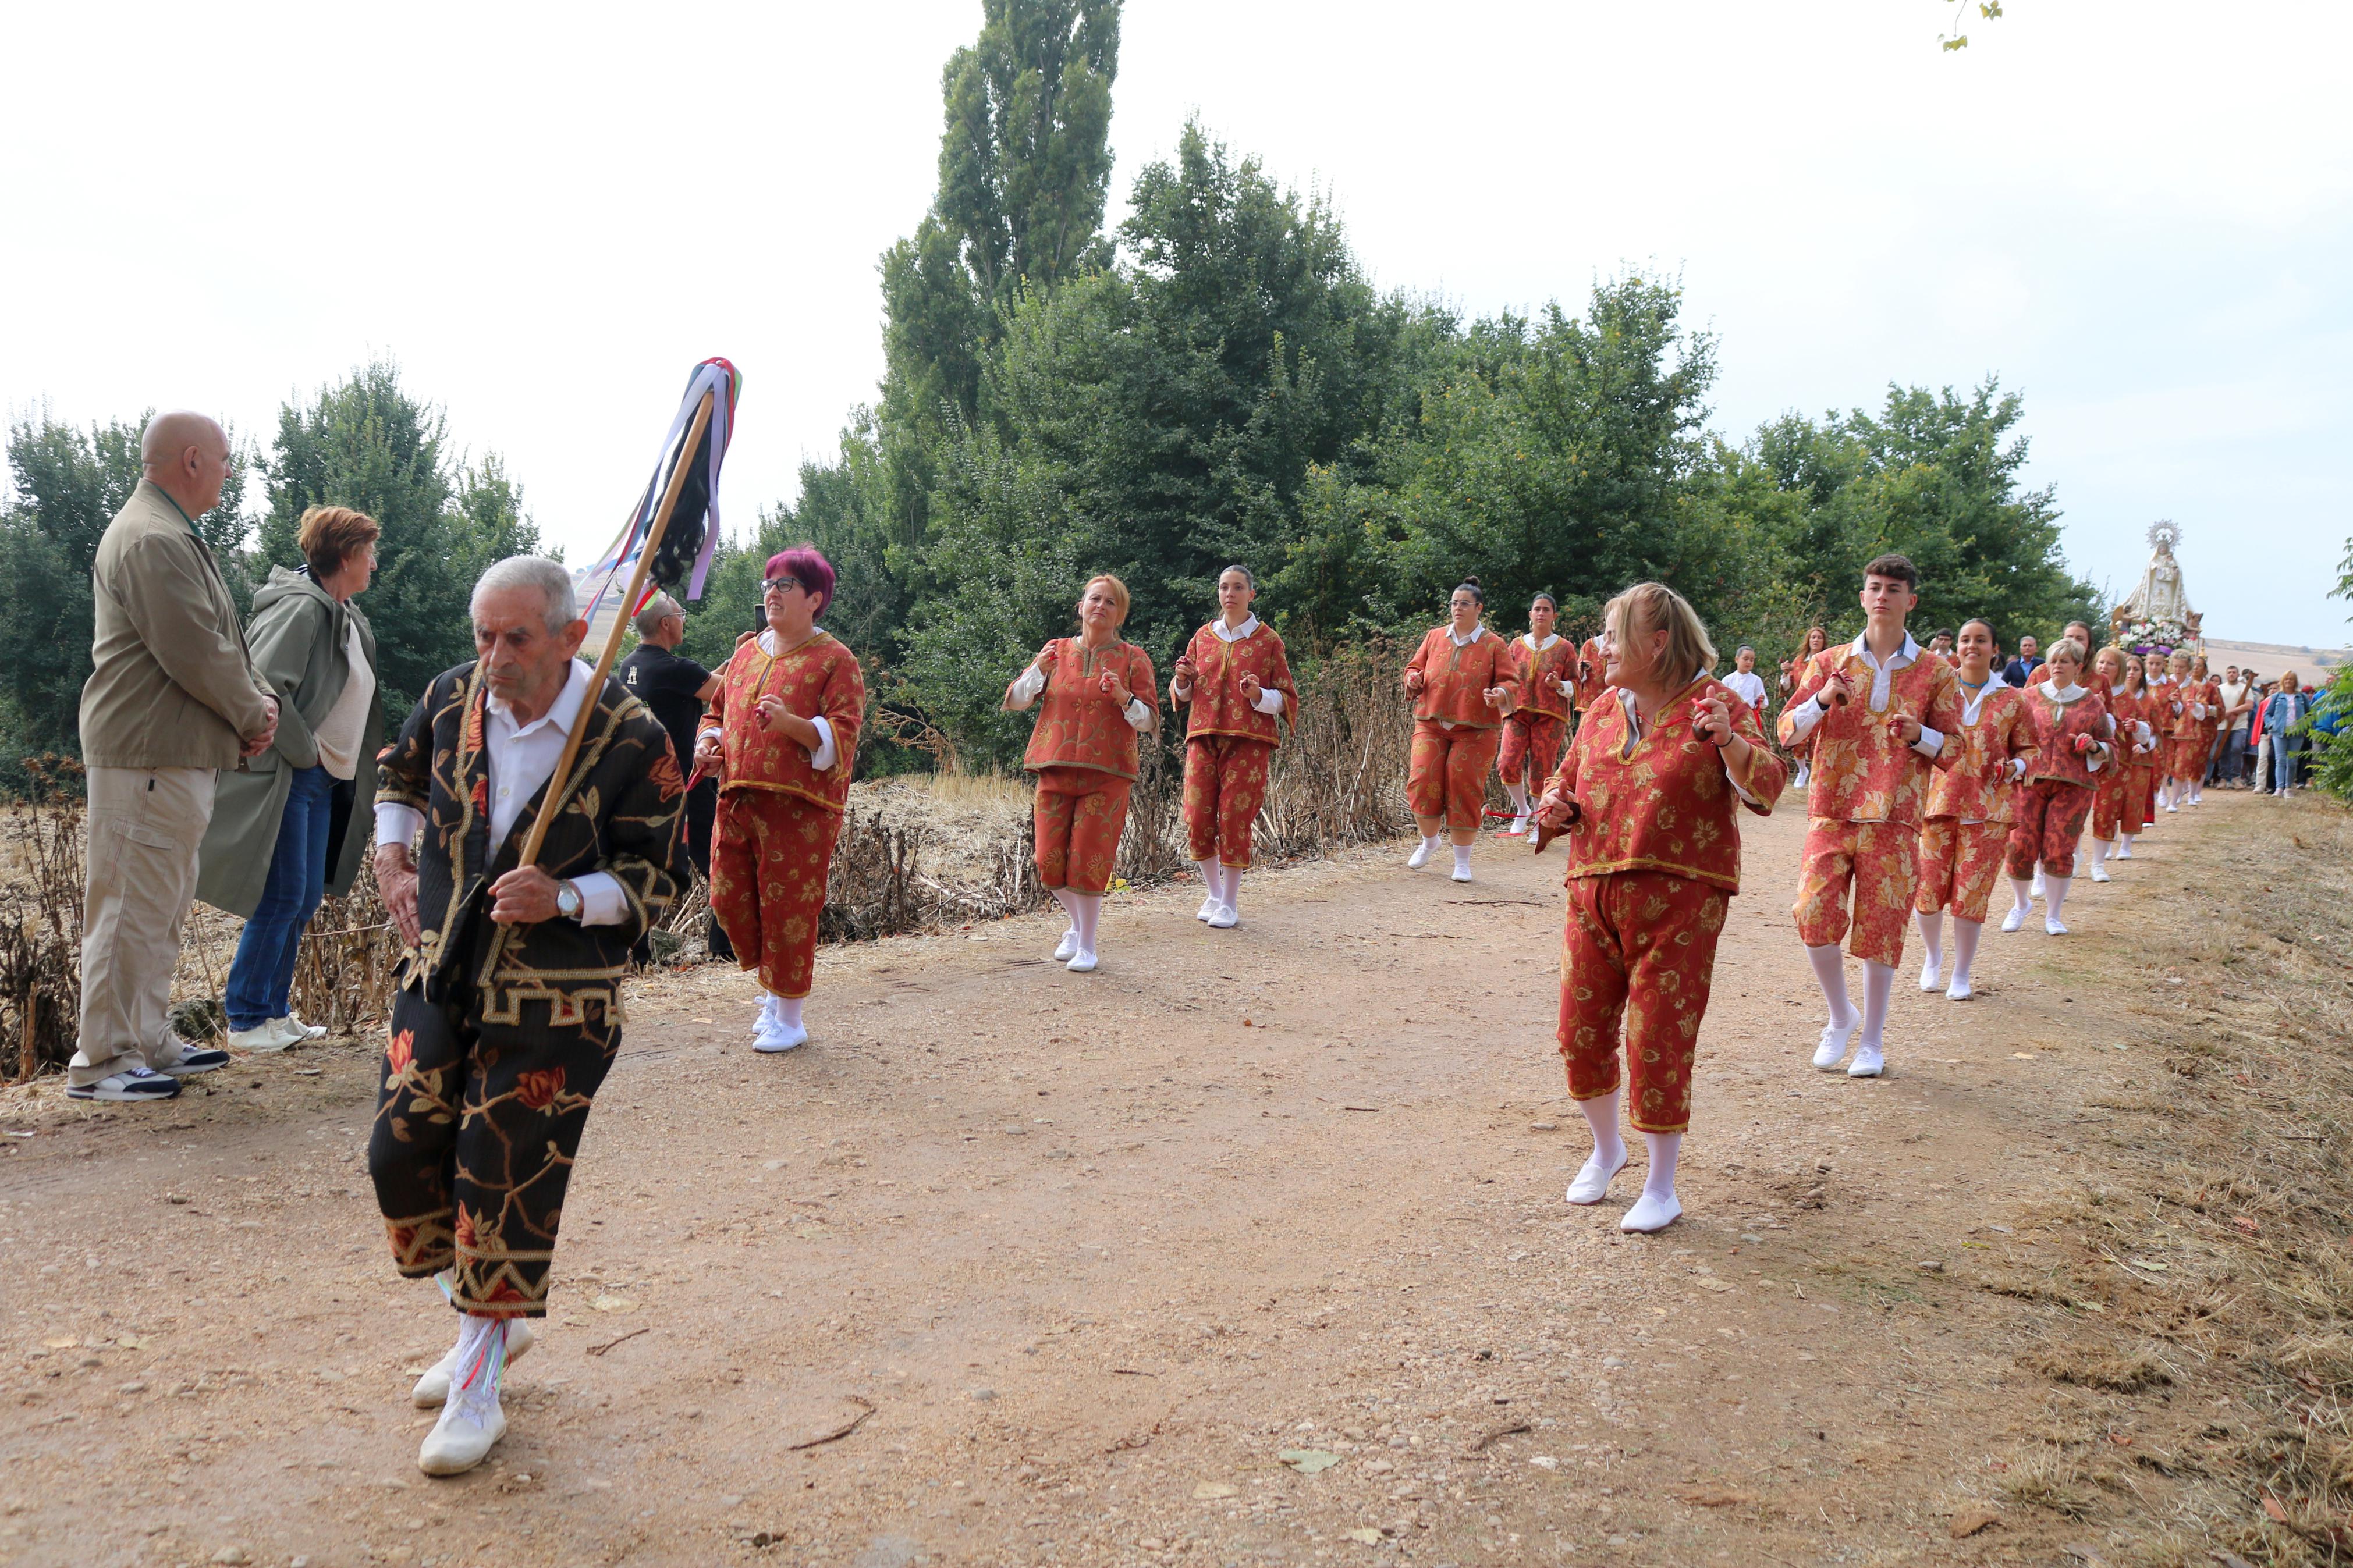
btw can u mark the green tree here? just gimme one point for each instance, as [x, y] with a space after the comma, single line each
[67, 484]
[366, 443]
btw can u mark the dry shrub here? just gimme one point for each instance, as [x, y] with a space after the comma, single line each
[1339, 777]
[2055, 1481]
[342, 975]
[871, 889]
[42, 845]
[2092, 1364]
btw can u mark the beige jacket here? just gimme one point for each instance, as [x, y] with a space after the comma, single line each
[173, 686]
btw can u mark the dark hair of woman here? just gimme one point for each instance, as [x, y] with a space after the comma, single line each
[1470, 587]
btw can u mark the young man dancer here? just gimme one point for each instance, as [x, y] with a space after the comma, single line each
[1878, 712]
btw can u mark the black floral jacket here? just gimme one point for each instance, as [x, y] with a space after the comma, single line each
[620, 812]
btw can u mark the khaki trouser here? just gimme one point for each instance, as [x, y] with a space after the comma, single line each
[146, 827]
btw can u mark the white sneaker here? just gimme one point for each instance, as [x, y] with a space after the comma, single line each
[432, 1390]
[1068, 945]
[2172, 808]
[2100, 873]
[775, 1035]
[1870, 1062]
[271, 1035]
[1224, 918]
[2050, 923]
[1832, 1050]
[1519, 827]
[2015, 919]
[1081, 961]
[294, 1024]
[1932, 975]
[1461, 873]
[1209, 906]
[1420, 857]
[1650, 1213]
[1958, 991]
[463, 1435]
[2126, 852]
[131, 1084]
[1592, 1184]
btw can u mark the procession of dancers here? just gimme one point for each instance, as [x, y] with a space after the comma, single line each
[1926, 775]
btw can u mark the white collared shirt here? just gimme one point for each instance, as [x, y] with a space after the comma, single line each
[1808, 713]
[1634, 728]
[517, 761]
[1749, 684]
[1464, 639]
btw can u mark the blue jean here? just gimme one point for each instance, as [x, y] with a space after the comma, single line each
[2284, 753]
[263, 970]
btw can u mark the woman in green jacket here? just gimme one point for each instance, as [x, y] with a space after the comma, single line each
[293, 823]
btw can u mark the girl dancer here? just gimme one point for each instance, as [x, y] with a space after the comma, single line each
[2071, 726]
[2210, 725]
[1967, 824]
[1648, 794]
[1463, 689]
[2115, 799]
[2186, 708]
[781, 733]
[2156, 699]
[1236, 678]
[1793, 670]
[1100, 691]
[1541, 663]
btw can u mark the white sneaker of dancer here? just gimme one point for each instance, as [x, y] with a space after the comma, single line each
[1870, 1062]
[1461, 862]
[2015, 919]
[776, 1036]
[2125, 851]
[1081, 961]
[1932, 975]
[1420, 856]
[1224, 918]
[2054, 925]
[2040, 890]
[1832, 1050]
[1958, 991]
[1209, 906]
[1650, 1213]
[2100, 873]
[1592, 1184]
[463, 1437]
[1070, 943]
[432, 1390]
[1519, 827]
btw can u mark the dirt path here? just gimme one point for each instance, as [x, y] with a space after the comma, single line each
[1097, 1251]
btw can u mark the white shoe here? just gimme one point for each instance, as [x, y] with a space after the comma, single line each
[2050, 923]
[1932, 975]
[775, 1035]
[1069, 946]
[1832, 1050]
[269, 1036]
[1209, 906]
[2015, 919]
[2126, 852]
[433, 1389]
[294, 1024]
[462, 1438]
[2172, 808]
[2037, 892]
[1224, 918]
[1592, 1184]
[1650, 1213]
[1519, 826]
[1870, 1062]
[2100, 873]
[1081, 961]
[1420, 857]
[1461, 873]
[1958, 991]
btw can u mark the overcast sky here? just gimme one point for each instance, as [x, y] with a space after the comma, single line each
[2139, 217]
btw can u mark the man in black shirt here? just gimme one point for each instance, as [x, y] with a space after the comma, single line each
[676, 689]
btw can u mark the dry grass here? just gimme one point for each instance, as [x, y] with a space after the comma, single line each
[40, 920]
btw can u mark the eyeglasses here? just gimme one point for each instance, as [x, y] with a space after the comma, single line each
[780, 585]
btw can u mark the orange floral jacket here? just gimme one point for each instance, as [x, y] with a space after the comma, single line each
[1662, 803]
[1457, 678]
[1078, 726]
[2056, 725]
[1978, 787]
[1217, 705]
[1861, 772]
[818, 679]
[1535, 671]
[1590, 684]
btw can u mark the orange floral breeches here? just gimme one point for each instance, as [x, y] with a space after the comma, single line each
[1958, 864]
[1225, 784]
[1877, 863]
[1079, 816]
[1533, 742]
[2050, 816]
[1446, 774]
[1638, 953]
[769, 853]
[2115, 802]
[2185, 757]
[2144, 785]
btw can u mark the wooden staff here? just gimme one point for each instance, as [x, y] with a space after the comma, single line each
[560, 783]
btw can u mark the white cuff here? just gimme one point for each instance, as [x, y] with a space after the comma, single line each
[397, 824]
[602, 901]
[2096, 763]
[1730, 779]
[1138, 713]
[1026, 687]
[2017, 768]
[1804, 717]
[822, 757]
[1270, 700]
[1931, 742]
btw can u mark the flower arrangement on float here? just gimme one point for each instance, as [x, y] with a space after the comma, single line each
[2155, 637]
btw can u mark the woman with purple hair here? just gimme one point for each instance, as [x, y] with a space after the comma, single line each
[780, 735]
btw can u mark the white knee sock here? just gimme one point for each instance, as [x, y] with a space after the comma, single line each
[2126, 842]
[1063, 896]
[482, 1360]
[1878, 987]
[2099, 851]
[1601, 1115]
[1830, 969]
[788, 1011]
[1230, 886]
[1518, 794]
[1211, 879]
[1084, 908]
[1932, 933]
[1965, 946]
[2054, 895]
[1665, 1149]
[2022, 890]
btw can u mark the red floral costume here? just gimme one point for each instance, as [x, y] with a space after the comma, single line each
[2050, 811]
[1653, 860]
[1084, 754]
[2123, 784]
[1533, 735]
[2185, 755]
[1229, 744]
[772, 843]
[1869, 790]
[1968, 824]
[1455, 733]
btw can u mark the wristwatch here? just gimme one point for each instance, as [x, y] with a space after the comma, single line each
[567, 900]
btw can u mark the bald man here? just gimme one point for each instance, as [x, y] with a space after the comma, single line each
[173, 699]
